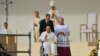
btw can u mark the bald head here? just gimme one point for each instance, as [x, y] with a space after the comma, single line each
[48, 29]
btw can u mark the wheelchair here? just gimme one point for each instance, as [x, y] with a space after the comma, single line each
[42, 50]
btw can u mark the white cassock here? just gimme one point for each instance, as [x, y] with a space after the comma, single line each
[54, 21]
[56, 12]
[49, 46]
[62, 41]
[35, 29]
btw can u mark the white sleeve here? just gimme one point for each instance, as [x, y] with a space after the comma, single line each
[42, 37]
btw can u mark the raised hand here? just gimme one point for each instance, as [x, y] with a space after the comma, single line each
[46, 36]
[62, 33]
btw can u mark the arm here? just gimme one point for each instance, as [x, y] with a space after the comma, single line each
[62, 33]
[42, 37]
[55, 39]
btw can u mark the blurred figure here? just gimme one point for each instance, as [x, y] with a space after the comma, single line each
[2, 48]
[53, 19]
[53, 11]
[62, 32]
[36, 21]
[49, 40]
[5, 30]
[46, 22]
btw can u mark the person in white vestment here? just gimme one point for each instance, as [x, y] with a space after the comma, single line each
[62, 32]
[5, 29]
[35, 26]
[49, 42]
[53, 19]
[53, 11]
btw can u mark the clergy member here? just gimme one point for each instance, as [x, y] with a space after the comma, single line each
[46, 22]
[53, 11]
[53, 19]
[36, 21]
[5, 29]
[49, 42]
[62, 32]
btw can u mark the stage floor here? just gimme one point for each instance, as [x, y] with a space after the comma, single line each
[77, 49]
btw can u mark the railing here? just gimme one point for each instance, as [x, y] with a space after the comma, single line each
[29, 51]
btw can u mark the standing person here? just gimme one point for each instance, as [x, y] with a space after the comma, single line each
[62, 32]
[49, 38]
[36, 21]
[53, 19]
[53, 11]
[46, 22]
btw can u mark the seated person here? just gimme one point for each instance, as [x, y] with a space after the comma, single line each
[49, 42]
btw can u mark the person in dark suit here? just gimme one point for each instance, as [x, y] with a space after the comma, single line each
[46, 22]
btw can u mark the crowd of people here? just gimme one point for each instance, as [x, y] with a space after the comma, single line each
[52, 32]
[55, 36]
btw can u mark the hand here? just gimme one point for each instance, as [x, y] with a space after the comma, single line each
[62, 33]
[55, 42]
[46, 36]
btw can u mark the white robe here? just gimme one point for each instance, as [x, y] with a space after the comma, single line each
[56, 12]
[49, 46]
[36, 28]
[62, 41]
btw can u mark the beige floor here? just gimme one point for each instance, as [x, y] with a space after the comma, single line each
[77, 49]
